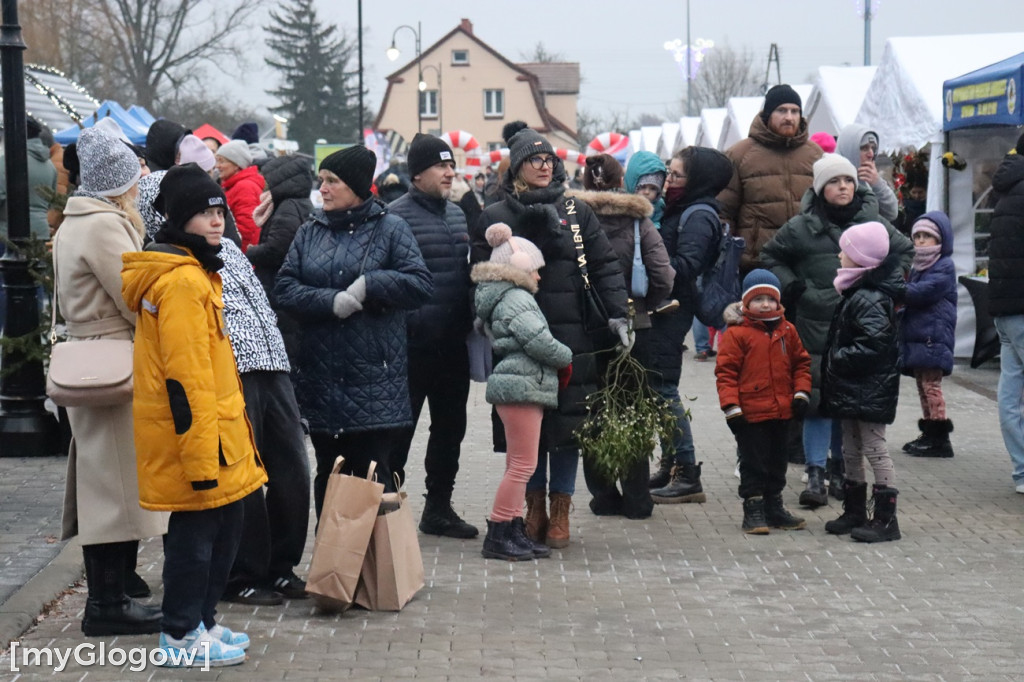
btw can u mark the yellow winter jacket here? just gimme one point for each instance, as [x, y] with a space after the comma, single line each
[193, 441]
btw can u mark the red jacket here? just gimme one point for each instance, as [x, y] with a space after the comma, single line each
[243, 191]
[762, 371]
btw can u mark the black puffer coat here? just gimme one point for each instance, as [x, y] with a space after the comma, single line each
[1006, 246]
[290, 180]
[860, 377]
[351, 374]
[440, 230]
[540, 216]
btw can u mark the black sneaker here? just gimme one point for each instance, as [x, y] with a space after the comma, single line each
[253, 596]
[440, 519]
[290, 586]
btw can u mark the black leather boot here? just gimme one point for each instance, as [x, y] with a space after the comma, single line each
[134, 586]
[855, 514]
[777, 516]
[439, 518]
[519, 536]
[684, 487]
[754, 522]
[661, 477]
[108, 610]
[883, 526]
[500, 543]
[935, 442]
[815, 494]
[835, 469]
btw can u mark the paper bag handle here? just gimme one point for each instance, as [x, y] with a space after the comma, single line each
[371, 470]
[339, 461]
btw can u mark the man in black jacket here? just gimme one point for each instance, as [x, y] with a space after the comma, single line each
[438, 360]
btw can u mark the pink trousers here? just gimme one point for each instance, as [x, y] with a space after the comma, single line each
[522, 435]
[929, 389]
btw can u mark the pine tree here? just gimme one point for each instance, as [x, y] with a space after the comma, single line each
[316, 93]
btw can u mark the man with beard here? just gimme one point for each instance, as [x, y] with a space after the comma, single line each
[772, 168]
[438, 359]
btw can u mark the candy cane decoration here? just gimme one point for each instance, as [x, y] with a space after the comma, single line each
[487, 158]
[608, 143]
[571, 156]
[460, 139]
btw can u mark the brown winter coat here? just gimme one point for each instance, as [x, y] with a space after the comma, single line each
[101, 495]
[770, 175]
[617, 212]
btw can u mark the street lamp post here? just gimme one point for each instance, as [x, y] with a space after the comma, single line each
[26, 428]
[423, 88]
[393, 54]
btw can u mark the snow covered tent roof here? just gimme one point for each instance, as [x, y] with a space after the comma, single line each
[740, 112]
[710, 131]
[837, 96]
[993, 95]
[53, 99]
[689, 126]
[669, 136]
[904, 103]
[649, 138]
[133, 129]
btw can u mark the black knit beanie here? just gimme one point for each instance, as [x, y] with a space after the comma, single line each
[185, 191]
[425, 151]
[776, 97]
[355, 166]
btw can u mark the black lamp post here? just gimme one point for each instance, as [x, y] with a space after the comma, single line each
[393, 53]
[26, 428]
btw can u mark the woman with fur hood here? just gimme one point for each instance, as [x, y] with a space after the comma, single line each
[536, 209]
[626, 219]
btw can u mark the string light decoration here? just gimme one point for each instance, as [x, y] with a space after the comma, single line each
[59, 102]
[697, 53]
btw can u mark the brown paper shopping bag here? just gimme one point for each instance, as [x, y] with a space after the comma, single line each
[393, 567]
[346, 522]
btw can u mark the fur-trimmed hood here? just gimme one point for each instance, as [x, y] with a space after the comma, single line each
[614, 203]
[502, 272]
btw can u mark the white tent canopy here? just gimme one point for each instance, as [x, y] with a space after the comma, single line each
[741, 111]
[636, 139]
[649, 138]
[669, 136]
[837, 96]
[689, 126]
[710, 130]
[904, 101]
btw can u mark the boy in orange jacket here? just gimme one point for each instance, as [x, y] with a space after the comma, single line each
[764, 380]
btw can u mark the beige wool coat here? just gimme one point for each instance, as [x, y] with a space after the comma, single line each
[101, 493]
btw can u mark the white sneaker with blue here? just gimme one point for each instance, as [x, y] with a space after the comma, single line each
[221, 633]
[198, 649]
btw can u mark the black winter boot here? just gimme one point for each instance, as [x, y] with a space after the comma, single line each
[440, 519]
[108, 610]
[754, 522]
[855, 514]
[883, 526]
[134, 586]
[519, 536]
[683, 487]
[776, 515]
[500, 543]
[835, 473]
[917, 442]
[661, 477]
[935, 442]
[814, 496]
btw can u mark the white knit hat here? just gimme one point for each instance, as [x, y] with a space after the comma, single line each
[109, 167]
[237, 152]
[193, 150]
[515, 251]
[831, 166]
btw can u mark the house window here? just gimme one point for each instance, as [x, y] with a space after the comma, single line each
[495, 146]
[460, 57]
[494, 103]
[428, 104]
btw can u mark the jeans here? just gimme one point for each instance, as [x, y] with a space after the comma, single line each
[440, 377]
[1011, 390]
[680, 449]
[358, 449]
[701, 337]
[564, 463]
[274, 533]
[821, 434]
[199, 548]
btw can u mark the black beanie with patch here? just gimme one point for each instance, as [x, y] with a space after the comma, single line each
[427, 150]
[184, 192]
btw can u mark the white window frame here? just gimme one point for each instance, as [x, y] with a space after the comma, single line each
[494, 103]
[428, 104]
[460, 62]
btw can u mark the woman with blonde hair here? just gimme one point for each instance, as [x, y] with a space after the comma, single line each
[101, 498]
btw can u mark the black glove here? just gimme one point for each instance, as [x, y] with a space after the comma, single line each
[799, 407]
[791, 295]
[736, 424]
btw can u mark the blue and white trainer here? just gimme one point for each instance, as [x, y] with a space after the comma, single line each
[198, 649]
[229, 637]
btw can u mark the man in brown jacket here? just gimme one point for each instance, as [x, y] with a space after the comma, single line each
[772, 168]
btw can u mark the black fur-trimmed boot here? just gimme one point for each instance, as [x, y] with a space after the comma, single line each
[935, 442]
[883, 526]
[855, 512]
[917, 442]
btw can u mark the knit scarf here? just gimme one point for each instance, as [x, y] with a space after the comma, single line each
[847, 277]
[926, 256]
[261, 214]
[766, 317]
[839, 215]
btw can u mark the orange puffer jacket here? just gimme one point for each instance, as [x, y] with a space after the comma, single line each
[761, 370]
[193, 442]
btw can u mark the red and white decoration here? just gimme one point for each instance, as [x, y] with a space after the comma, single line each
[608, 143]
[460, 139]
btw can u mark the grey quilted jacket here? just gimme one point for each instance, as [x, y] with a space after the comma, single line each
[351, 374]
[530, 357]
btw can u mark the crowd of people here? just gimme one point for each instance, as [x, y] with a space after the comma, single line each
[259, 319]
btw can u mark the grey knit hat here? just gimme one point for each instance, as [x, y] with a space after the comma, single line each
[108, 167]
[525, 143]
[237, 152]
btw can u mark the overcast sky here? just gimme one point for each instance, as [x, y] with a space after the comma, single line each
[619, 45]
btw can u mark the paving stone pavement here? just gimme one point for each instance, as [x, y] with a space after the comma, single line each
[682, 595]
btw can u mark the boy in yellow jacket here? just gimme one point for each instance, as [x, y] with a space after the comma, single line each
[194, 444]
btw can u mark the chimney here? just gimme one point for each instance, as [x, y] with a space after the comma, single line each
[467, 26]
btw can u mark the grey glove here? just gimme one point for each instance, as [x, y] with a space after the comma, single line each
[345, 304]
[357, 289]
[620, 327]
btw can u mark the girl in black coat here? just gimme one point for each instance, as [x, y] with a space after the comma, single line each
[536, 209]
[861, 378]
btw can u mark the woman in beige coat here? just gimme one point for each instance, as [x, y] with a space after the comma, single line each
[101, 499]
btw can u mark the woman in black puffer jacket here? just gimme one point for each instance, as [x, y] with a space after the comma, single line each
[536, 209]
